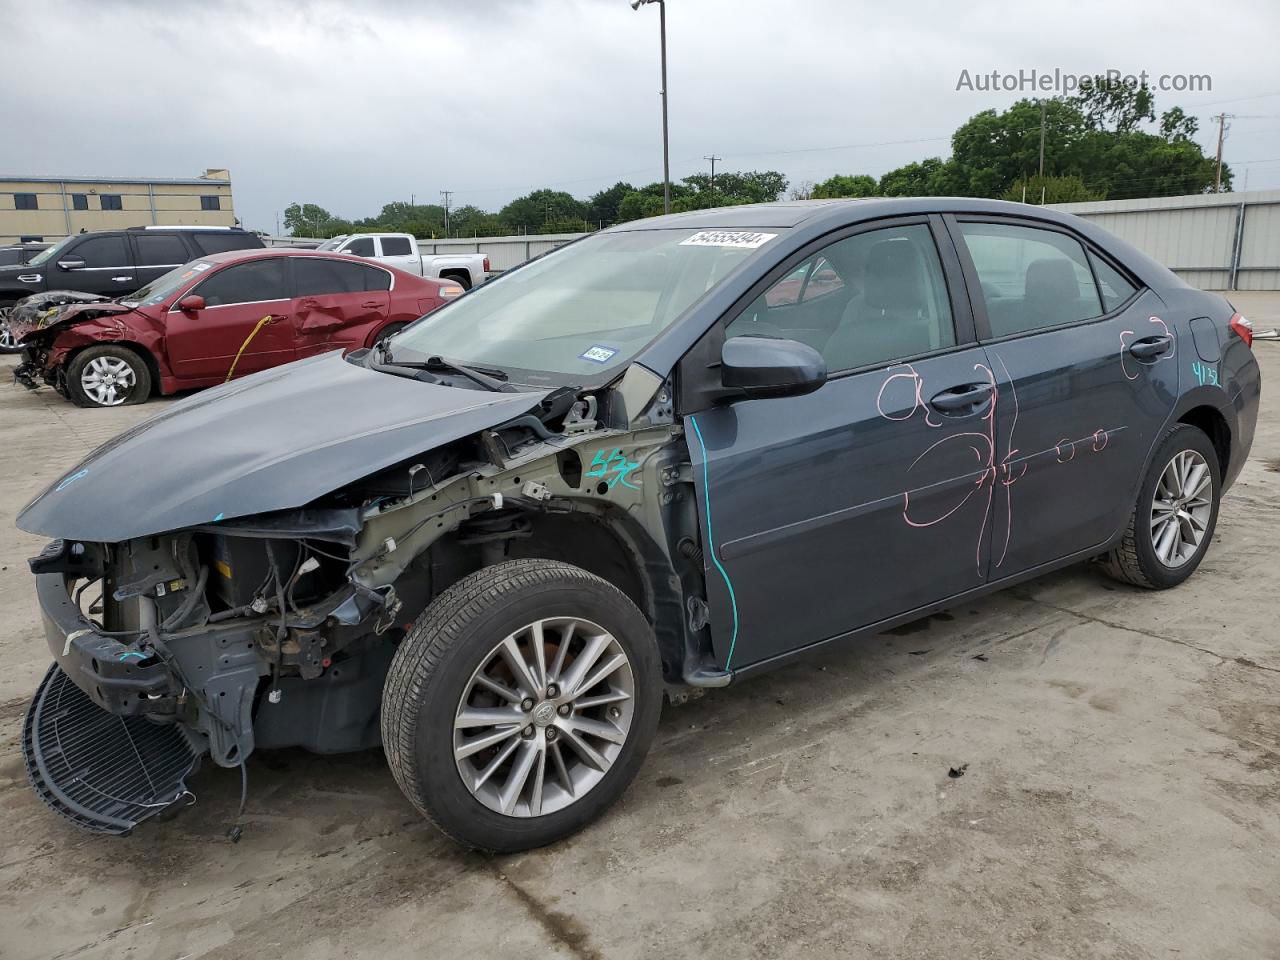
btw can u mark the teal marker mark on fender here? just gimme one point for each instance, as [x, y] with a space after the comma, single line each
[612, 467]
[711, 544]
[1205, 373]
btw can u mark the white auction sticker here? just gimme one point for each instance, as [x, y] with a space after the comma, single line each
[745, 239]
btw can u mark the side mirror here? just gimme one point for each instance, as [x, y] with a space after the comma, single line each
[71, 263]
[767, 367]
[191, 304]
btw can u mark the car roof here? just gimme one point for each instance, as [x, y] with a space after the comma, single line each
[257, 253]
[833, 213]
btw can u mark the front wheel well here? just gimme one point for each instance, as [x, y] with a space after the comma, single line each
[1214, 425]
[597, 542]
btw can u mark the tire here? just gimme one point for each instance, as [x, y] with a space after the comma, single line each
[7, 345]
[432, 681]
[390, 330]
[131, 383]
[461, 279]
[1144, 555]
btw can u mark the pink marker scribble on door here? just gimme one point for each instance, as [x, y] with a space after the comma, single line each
[1126, 359]
[1005, 470]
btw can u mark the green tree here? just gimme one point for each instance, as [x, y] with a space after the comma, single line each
[602, 208]
[540, 207]
[1055, 190]
[312, 220]
[841, 185]
[927, 178]
[1110, 104]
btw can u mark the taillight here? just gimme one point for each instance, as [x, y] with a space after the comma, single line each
[450, 290]
[1242, 328]
[486, 265]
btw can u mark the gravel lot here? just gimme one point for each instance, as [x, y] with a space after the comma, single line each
[1120, 794]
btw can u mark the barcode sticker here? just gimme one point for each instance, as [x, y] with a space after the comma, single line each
[744, 239]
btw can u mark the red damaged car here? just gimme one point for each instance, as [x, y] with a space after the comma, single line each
[221, 316]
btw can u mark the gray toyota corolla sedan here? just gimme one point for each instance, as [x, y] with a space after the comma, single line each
[661, 458]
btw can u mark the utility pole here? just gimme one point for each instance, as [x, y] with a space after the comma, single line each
[1042, 184]
[713, 160]
[666, 153]
[1222, 119]
[446, 194]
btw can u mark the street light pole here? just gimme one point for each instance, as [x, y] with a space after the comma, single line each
[666, 152]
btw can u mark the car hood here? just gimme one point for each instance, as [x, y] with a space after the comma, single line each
[58, 309]
[273, 441]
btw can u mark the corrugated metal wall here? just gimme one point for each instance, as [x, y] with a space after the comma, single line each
[1220, 241]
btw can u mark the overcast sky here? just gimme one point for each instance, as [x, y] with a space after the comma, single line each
[352, 104]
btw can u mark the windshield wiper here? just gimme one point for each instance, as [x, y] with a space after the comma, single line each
[491, 378]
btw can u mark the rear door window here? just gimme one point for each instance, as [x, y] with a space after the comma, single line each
[395, 246]
[213, 241]
[1031, 278]
[160, 250]
[251, 282]
[320, 276]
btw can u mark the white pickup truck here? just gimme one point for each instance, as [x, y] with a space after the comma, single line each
[400, 250]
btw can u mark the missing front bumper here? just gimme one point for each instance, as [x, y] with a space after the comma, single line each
[103, 772]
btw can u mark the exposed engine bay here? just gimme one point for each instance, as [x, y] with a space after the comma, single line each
[276, 629]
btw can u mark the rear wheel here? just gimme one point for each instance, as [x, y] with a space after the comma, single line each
[460, 277]
[521, 704]
[1173, 522]
[108, 375]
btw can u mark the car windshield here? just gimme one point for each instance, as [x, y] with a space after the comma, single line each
[579, 312]
[159, 289]
[332, 244]
[44, 256]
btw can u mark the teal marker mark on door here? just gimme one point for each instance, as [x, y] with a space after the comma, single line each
[613, 468]
[711, 544]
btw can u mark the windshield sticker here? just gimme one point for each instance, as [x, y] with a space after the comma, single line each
[201, 267]
[598, 354]
[743, 239]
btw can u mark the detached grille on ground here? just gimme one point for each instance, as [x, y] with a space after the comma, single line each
[103, 772]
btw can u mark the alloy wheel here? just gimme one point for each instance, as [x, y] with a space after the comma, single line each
[544, 717]
[108, 381]
[1181, 508]
[7, 341]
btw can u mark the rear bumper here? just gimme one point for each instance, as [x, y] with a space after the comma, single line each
[114, 675]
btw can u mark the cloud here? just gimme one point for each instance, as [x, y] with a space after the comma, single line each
[354, 104]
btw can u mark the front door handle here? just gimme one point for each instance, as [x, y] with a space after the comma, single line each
[370, 304]
[1148, 348]
[964, 397]
[122, 279]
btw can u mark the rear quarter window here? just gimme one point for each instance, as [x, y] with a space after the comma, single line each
[209, 243]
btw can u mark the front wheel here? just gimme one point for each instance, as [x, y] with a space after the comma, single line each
[8, 344]
[521, 704]
[1175, 516]
[108, 375]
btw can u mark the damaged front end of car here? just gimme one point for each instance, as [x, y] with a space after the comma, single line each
[48, 327]
[276, 628]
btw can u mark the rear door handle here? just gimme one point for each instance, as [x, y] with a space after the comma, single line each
[372, 303]
[122, 279]
[964, 397]
[1149, 348]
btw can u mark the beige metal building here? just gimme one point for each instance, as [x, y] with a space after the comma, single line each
[47, 208]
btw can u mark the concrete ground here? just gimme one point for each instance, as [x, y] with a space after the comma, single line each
[1120, 795]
